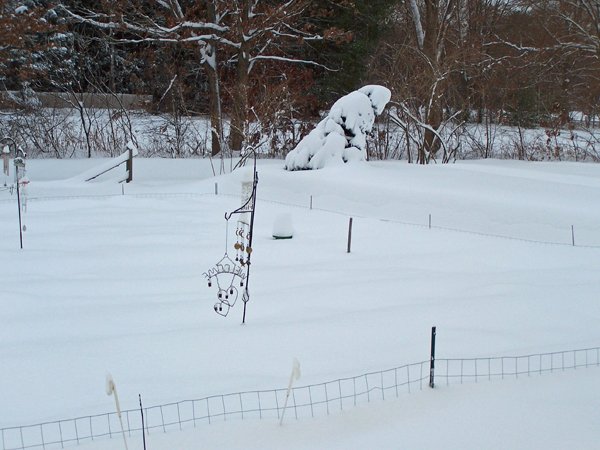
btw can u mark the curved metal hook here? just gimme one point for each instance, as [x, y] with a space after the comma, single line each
[244, 208]
[15, 145]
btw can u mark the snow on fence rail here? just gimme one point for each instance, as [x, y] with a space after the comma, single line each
[305, 401]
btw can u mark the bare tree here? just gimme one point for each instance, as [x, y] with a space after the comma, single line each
[238, 32]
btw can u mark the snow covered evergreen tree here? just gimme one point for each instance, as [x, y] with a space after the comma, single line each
[342, 135]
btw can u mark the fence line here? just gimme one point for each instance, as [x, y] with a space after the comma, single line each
[305, 401]
[298, 205]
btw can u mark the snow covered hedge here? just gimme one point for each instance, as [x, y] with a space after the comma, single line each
[341, 136]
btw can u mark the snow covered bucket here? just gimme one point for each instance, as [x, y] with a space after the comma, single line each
[282, 227]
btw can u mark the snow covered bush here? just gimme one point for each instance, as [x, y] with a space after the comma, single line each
[342, 135]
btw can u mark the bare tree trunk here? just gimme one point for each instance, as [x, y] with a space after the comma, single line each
[239, 118]
[432, 50]
[214, 100]
[209, 58]
[431, 143]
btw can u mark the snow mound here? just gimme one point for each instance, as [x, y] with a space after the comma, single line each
[342, 135]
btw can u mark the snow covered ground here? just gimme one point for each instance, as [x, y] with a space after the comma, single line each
[113, 283]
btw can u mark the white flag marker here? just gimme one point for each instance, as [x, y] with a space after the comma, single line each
[293, 376]
[111, 389]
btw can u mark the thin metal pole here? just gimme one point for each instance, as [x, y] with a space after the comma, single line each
[143, 428]
[430, 221]
[216, 189]
[250, 241]
[432, 359]
[19, 206]
[311, 202]
[573, 235]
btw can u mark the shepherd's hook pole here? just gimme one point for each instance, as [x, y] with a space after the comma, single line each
[19, 206]
[432, 359]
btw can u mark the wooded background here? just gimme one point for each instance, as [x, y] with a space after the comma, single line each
[524, 63]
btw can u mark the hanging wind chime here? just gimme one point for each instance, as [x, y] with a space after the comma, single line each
[232, 276]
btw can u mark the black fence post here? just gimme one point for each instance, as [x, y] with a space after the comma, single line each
[432, 359]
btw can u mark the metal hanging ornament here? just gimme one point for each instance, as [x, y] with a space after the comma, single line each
[242, 245]
[227, 275]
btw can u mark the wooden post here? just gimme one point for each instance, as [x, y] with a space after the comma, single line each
[129, 165]
[349, 234]
[430, 221]
[216, 188]
[311, 202]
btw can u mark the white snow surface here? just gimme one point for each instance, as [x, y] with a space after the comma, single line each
[341, 136]
[112, 283]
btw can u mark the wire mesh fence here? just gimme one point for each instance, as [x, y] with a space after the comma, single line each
[305, 401]
[194, 195]
[476, 369]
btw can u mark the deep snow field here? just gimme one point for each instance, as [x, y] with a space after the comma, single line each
[113, 283]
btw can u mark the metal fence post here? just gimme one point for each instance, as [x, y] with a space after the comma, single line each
[432, 359]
